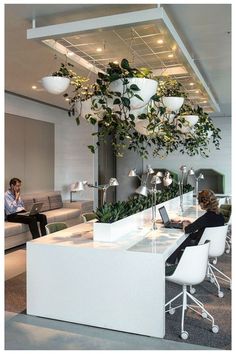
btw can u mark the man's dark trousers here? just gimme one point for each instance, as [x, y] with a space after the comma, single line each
[31, 221]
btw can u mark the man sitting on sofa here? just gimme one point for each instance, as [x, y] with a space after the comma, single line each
[14, 206]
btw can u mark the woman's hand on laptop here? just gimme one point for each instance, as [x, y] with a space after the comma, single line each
[186, 223]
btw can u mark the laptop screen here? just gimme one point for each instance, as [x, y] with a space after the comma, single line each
[164, 215]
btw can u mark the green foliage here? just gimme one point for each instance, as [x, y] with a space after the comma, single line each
[109, 213]
[169, 87]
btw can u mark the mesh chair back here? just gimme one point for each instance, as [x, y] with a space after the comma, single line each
[192, 266]
[216, 236]
[55, 226]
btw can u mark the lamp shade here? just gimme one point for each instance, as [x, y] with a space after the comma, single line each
[191, 172]
[201, 176]
[142, 190]
[132, 173]
[80, 186]
[150, 170]
[167, 181]
[155, 179]
[113, 182]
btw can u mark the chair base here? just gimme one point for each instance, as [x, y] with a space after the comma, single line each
[211, 274]
[204, 313]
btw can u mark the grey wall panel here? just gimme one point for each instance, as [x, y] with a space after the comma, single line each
[29, 153]
[14, 148]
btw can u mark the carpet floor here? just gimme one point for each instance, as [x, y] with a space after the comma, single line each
[199, 329]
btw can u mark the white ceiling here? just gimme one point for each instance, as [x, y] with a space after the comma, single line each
[204, 30]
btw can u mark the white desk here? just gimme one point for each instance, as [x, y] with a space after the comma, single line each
[119, 286]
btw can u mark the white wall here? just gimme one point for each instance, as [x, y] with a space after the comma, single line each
[73, 160]
[219, 160]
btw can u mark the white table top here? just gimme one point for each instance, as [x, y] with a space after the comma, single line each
[158, 241]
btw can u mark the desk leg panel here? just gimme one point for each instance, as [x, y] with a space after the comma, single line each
[123, 291]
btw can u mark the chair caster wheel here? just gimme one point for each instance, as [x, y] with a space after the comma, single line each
[204, 315]
[220, 294]
[214, 261]
[215, 329]
[192, 290]
[171, 311]
[227, 251]
[184, 335]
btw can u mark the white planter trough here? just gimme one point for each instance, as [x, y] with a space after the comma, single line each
[55, 84]
[112, 232]
[147, 88]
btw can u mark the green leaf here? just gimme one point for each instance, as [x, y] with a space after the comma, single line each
[125, 101]
[125, 64]
[91, 148]
[134, 87]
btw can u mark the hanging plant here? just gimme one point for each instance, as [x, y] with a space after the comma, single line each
[59, 81]
[148, 129]
[172, 93]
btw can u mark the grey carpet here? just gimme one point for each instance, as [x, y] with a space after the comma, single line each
[199, 329]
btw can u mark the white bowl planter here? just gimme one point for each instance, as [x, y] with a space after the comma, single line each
[147, 88]
[191, 119]
[55, 84]
[173, 103]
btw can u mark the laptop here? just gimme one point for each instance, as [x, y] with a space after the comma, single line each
[166, 220]
[35, 209]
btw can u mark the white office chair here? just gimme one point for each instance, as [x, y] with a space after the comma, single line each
[217, 237]
[191, 270]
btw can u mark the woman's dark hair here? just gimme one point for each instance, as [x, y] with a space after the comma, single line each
[209, 200]
[14, 181]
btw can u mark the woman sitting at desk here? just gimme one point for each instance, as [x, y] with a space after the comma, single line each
[207, 201]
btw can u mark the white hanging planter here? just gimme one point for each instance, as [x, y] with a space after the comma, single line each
[55, 84]
[191, 119]
[147, 88]
[173, 103]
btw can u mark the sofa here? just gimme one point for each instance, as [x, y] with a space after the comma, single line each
[54, 208]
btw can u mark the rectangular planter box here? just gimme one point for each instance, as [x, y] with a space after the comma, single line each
[112, 232]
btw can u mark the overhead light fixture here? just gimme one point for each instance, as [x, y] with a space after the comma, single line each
[34, 87]
[170, 55]
[191, 84]
[52, 34]
[99, 50]
[160, 41]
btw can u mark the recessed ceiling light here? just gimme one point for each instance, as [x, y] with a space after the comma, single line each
[99, 49]
[116, 62]
[170, 55]
[191, 84]
[70, 54]
[204, 101]
[160, 41]
[67, 99]
[197, 91]
[34, 87]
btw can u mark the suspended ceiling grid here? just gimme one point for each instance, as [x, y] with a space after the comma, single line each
[96, 46]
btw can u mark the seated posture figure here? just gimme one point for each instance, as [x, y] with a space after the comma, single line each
[211, 218]
[14, 206]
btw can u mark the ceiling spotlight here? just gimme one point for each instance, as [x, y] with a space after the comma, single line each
[99, 49]
[170, 55]
[191, 84]
[160, 41]
[197, 91]
[34, 87]
[204, 101]
[67, 99]
[116, 62]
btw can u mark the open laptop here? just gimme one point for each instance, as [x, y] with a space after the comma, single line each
[35, 209]
[166, 220]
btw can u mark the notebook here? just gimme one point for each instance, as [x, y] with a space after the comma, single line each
[35, 209]
[166, 220]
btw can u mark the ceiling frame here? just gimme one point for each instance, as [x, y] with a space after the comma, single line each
[122, 19]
